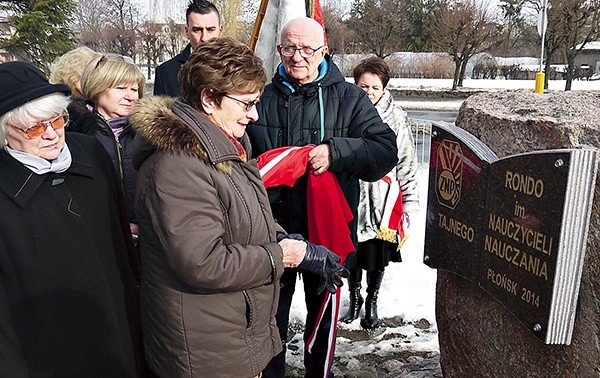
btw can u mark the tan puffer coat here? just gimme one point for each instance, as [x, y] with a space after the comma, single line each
[210, 261]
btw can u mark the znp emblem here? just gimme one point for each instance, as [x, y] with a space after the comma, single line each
[448, 173]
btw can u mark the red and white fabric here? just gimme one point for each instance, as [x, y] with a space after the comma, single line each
[327, 209]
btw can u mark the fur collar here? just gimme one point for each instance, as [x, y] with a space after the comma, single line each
[385, 105]
[168, 124]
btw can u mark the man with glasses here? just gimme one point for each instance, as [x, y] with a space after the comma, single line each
[202, 24]
[309, 102]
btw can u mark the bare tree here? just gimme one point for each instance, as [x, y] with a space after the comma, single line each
[463, 29]
[120, 31]
[335, 28]
[150, 37]
[245, 20]
[174, 38]
[578, 22]
[231, 11]
[378, 25]
[108, 25]
[571, 25]
[89, 20]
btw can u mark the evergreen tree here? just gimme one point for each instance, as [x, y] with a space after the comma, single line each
[417, 13]
[514, 22]
[42, 30]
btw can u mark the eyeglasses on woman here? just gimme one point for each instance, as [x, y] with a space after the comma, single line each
[40, 128]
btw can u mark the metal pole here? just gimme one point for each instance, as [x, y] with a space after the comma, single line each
[540, 77]
[544, 21]
[262, 9]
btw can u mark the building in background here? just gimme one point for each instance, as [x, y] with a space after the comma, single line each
[588, 58]
[162, 10]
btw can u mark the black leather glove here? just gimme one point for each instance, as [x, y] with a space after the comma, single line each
[281, 236]
[324, 263]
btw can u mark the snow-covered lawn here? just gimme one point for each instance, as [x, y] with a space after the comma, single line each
[553, 85]
[408, 291]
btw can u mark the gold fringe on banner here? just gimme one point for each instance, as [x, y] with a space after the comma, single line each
[391, 236]
[387, 234]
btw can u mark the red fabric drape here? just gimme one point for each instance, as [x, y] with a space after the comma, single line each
[327, 208]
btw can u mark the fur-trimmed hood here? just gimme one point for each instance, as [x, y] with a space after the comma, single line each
[211, 270]
[165, 123]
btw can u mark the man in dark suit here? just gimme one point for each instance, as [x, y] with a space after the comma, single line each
[202, 23]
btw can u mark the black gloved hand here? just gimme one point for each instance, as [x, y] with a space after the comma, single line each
[324, 263]
[281, 236]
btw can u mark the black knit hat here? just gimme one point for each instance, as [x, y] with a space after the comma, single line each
[21, 82]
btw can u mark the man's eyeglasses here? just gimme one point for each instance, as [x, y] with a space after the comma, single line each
[305, 51]
[40, 128]
[246, 105]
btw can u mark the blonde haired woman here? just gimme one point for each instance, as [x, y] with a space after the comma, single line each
[68, 68]
[112, 84]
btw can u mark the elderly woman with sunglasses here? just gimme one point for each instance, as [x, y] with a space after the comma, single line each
[112, 84]
[67, 294]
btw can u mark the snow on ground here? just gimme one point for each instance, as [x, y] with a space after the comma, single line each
[452, 105]
[553, 85]
[408, 291]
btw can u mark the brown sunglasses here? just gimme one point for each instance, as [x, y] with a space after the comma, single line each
[40, 128]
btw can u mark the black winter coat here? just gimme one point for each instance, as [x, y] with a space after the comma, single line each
[362, 146]
[165, 76]
[119, 149]
[66, 289]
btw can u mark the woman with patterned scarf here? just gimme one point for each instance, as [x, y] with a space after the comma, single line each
[384, 205]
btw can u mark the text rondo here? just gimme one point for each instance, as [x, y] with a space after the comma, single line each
[524, 184]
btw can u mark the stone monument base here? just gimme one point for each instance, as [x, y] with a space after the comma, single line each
[478, 336]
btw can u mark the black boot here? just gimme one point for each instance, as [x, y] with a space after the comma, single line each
[371, 320]
[356, 300]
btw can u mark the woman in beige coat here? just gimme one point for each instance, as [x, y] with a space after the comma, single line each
[211, 261]
[378, 243]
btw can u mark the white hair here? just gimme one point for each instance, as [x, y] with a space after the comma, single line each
[41, 109]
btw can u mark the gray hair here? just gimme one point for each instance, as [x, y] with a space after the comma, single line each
[41, 109]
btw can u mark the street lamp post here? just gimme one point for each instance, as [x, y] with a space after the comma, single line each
[541, 27]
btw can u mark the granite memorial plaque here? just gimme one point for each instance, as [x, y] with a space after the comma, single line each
[516, 226]
[455, 204]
